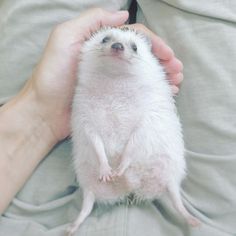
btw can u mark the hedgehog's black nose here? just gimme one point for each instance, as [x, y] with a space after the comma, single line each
[117, 46]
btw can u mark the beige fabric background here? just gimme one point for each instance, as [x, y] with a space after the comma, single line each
[202, 33]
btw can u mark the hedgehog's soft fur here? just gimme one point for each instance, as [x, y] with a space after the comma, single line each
[124, 125]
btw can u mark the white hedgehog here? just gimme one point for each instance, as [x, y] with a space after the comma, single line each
[127, 137]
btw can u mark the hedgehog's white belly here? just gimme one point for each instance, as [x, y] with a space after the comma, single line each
[115, 126]
[88, 177]
[149, 172]
[150, 185]
[146, 179]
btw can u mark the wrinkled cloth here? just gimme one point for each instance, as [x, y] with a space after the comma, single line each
[202, 34]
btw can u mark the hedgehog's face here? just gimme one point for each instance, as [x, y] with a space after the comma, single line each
[114, 45]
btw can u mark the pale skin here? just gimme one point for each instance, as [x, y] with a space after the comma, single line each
[38, 117]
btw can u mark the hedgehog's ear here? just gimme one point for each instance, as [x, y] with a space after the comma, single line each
[124, 28]
[148, 40]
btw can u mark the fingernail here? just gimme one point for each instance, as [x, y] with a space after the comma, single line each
[175, 90]
[180, 77]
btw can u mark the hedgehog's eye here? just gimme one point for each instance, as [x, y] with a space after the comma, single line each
[106, 39]
[134, 47]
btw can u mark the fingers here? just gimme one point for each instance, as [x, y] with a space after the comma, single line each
[101, 17]
[176, 78]
[112, 18]
[96, 18]
[70, 35]
[172, 66]
[90, 21]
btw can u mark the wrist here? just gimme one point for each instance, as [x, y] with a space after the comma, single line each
[22, 121]
[25, 139]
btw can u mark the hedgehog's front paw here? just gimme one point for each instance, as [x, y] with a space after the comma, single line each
[121, 169]
[105, 173]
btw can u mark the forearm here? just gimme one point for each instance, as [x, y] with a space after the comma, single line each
[25, 139]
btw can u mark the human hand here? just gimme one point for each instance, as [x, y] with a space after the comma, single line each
[54, 78]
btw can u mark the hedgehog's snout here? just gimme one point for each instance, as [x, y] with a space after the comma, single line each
[117, 47]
